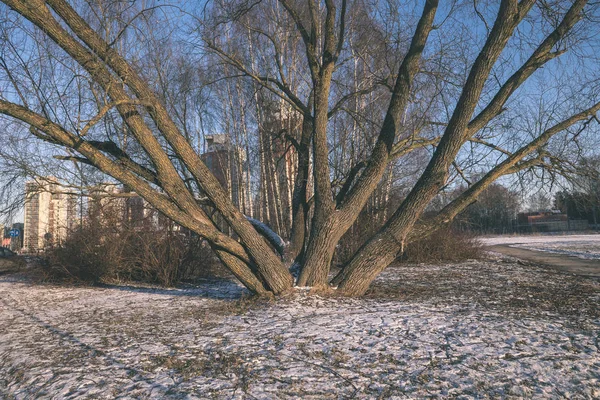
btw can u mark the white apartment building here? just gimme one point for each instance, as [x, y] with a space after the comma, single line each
[50, 214]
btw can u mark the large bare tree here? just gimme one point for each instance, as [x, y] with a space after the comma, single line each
[448, 102]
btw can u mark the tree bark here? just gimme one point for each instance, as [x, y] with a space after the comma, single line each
[268, 264]
[323, 241]
[299, 197]
[390, 241]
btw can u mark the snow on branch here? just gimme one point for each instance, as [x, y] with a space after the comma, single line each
[272, 237]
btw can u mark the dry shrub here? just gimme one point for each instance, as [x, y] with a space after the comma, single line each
[153, 256]
[87, 255]
[361, 231]
[443, 245]
[446, 244]
[200, 261]
[109, 253]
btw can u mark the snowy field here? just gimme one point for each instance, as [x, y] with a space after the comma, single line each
[581, 246]
[472, 330]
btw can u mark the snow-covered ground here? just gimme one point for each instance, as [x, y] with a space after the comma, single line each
[582, 246]
[470, 330]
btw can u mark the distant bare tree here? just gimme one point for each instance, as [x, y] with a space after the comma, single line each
[494, 211]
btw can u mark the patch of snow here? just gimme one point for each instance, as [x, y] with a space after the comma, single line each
[199, 342]
[584, 250]
[269, 234]
[581, 246]
[529, 239]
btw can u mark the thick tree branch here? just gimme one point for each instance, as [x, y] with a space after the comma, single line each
[384, 147]
[383, 248]
[308, 39]
[329, 223]
[540, 56]
[510, 165]
[266, 261]
[96, 158]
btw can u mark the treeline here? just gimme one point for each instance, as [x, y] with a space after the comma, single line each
[495, 211]
[579, 205]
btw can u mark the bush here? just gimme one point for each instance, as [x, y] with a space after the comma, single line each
[446, 244]
[443, 245]
[109, 253]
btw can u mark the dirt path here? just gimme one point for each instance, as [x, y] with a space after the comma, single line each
[559, 262]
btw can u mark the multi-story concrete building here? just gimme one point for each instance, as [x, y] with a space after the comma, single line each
[226, 162]
[50, 214]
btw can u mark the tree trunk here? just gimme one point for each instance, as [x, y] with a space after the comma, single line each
[355, 278]
[242, 272]
[299, 198]
[324, 237]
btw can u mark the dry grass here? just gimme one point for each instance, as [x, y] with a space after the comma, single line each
[496, 284]
[15, 264]
[444, 245]
[102, 255]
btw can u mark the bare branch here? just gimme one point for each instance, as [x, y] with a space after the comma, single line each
[540, 56]
[104, 110]
[96, 158]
